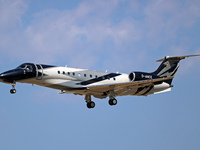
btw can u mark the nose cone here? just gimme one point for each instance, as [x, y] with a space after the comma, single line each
[12, 74]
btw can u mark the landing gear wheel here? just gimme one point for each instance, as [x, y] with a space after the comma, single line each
[91, 104]
[13, 91]
[112, 101]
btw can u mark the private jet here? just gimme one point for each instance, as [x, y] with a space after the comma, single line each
[93, 83]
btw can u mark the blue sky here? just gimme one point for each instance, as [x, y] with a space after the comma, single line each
[114, 35]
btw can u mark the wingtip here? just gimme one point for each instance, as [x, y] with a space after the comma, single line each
[159, 60]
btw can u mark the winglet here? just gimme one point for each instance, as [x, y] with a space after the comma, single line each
[177, 57]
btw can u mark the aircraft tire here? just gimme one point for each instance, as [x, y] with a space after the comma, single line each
[13, 91]
[112, 101]
[91, 104]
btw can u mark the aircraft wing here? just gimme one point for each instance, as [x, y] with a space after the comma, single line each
[134, 84]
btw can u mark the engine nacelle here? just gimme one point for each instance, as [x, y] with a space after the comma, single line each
[137, 76]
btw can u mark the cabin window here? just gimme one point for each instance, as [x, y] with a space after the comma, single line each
[114, 79]
[73, 74]
[68, 73]
[84, 75]
[90, 76]
[58, 72]
[63, 72]
[96, 76]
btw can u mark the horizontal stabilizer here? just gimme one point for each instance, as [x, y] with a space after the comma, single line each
[177, 57]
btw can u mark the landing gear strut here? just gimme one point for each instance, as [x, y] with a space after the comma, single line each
[90, 104]
[13, 90]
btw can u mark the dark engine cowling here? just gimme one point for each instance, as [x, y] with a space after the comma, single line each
[137, 76]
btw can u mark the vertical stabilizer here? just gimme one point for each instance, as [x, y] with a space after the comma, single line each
[169, 66]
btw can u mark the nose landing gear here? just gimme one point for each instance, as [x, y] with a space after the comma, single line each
[13, 90]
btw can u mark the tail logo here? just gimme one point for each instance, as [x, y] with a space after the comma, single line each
[166, 63]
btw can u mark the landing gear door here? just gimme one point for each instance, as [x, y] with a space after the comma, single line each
[39, 71]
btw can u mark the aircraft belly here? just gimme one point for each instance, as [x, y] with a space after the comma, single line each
[126, 91]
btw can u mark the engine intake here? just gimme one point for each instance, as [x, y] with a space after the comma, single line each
[132, 76]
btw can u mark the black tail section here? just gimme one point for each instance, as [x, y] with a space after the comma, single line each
[169, 66]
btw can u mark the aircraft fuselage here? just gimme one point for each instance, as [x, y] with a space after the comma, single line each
[94, 83]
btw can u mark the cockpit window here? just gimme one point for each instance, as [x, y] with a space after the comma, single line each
[29, 68]
[26, 66]
[23, 66]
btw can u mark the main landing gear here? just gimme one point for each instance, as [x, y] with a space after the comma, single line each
[13, 90]
[112, 101]
[90, 104]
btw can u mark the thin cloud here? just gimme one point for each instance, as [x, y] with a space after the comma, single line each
[98, 32]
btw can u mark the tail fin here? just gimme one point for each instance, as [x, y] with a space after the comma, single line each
[169, 66]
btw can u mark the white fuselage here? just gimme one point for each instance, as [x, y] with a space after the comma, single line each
[74, 80]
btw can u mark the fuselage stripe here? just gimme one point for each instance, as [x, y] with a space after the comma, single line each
[101, 78]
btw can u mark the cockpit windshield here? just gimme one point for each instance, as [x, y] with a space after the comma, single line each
[25, 66]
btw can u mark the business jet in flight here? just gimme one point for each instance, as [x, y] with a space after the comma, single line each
[98, 84]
